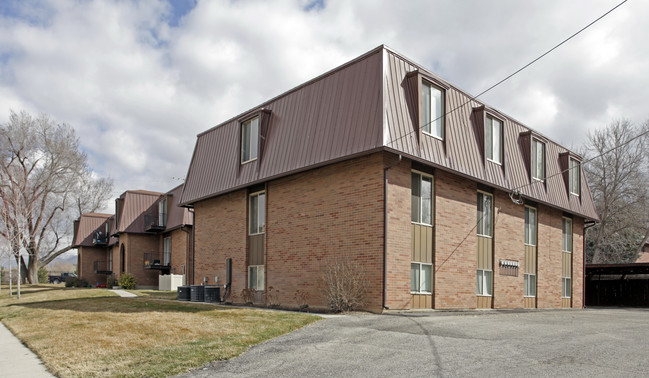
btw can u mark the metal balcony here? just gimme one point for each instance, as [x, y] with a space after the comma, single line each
[101, 267]
[153, 260]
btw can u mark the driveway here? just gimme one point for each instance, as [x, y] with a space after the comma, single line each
[592, 342]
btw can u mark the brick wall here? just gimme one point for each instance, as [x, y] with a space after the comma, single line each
[509, 235]
[179, 240]
[549, 258]
[399, 234]
[85, 267]
[220, 233]
[334, 212]
[456, 246]
[577, 262]
[136, 245]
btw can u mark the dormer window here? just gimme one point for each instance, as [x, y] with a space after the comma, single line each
[538, 160]
[574, 175]
[432, 110]
[494, 139]
[249, 140]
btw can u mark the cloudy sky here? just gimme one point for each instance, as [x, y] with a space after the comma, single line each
[139, 79]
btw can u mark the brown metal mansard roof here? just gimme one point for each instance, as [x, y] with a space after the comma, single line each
[367, 105]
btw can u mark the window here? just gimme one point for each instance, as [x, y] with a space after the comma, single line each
[538, 159]
[574, 175]
[485, 214]
[566, 244]
[530, 284]
[421, 278]
[530, 226]
[162, 212]
[249, 140]
[167, 250]
[432, 110]
[494, 139]
[484, 282]
[422, 198]
[257, 210]
[566, 286]
[256, 277]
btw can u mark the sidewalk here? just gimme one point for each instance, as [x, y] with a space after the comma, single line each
[16, 360]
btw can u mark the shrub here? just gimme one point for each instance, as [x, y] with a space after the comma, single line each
[111, 281]
[42, 275]
[344, 285]
[76, 282]
[127, 281]
[248, 295]
[301, 298]
[272, 297]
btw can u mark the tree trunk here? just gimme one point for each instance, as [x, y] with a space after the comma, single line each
[32, 270]
[24, 276]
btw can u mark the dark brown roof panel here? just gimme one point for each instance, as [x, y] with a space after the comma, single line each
[329, 118]
[87, 225]
[135, 206]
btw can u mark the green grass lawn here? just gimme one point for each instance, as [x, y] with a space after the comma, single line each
[90, 332]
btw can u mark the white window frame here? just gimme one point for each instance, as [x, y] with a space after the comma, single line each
[566, 287]
[162, 212]
[166, 250]
[260, 279]
[531, 228]
[494, 146]
[260, 227]
[249, 139]
[529, 290]
[574, 176]
[480, 227]
[534, 154]
[484, 283]
[421, 278]
[420, 202]
[437, 120]
[566, 237]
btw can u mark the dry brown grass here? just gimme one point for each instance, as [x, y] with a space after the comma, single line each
[90, 332]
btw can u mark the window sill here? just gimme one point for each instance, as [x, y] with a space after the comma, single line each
[420, 293]
[248, 161]
[538, 179]
[484, 295]
[495, 162]
[421, 224]
[566, 251]
[485, 236]
[529, 245]
[432, 135]
[574, 194]
[259, 233]
[529, 296]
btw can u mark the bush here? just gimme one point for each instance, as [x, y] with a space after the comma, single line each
[111, 281]
[76, 282]
[344, 285]
[127, 281]
[42, 275]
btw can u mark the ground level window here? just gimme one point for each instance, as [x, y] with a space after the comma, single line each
[566, 287]
[484, 282]
[421, 278]
[530, 285]
[256, 277]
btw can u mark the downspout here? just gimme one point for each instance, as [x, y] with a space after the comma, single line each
[191, 210]
[385, 229]
[187, 249]
[583, 263]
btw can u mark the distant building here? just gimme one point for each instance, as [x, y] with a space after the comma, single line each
[441, 200]
[149, 235]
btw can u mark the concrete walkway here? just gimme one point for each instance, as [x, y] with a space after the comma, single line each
[16, 360]
[124, 293]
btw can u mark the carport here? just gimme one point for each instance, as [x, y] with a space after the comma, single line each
[617, 285]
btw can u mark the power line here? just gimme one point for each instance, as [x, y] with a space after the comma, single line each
[511, 75]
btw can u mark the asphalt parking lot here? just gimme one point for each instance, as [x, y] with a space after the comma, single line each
[582, 343]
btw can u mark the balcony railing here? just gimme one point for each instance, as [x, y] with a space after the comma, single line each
[155, 222]
[154, 260]
[100, 238]
[102, 267]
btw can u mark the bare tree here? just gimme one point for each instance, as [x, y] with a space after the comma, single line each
[45, 182]
[618, 179]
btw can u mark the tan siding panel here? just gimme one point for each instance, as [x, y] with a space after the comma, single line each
[422, 243]
[566, 264]
[483, 302]
[529, 302]
[256, 249]
[530, 259]
[485, 253]
[421, 301]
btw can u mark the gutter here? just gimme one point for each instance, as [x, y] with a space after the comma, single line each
[385, 228]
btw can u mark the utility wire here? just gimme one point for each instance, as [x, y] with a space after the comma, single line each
[511, 75]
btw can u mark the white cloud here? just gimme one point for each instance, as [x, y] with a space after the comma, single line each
[138, 90]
